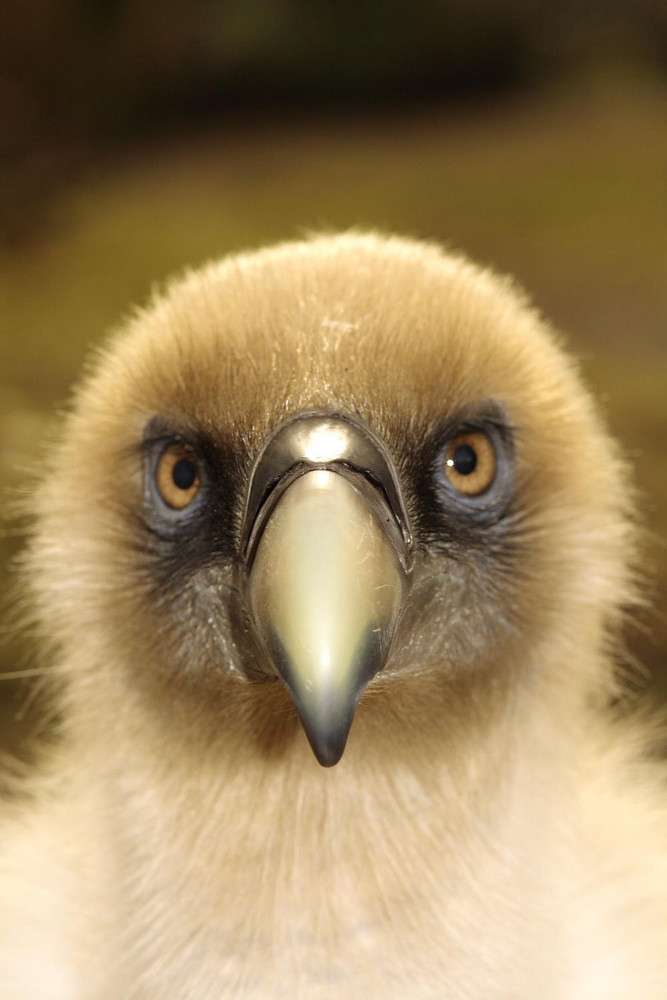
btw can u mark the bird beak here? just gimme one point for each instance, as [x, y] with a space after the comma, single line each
[325, 591]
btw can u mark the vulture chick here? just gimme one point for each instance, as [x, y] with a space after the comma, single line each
[340, 502]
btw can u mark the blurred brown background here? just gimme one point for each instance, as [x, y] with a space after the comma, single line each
[138, 137]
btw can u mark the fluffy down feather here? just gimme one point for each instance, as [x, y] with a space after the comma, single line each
[491, 830]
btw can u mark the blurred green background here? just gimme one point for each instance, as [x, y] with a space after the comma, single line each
[138, 137]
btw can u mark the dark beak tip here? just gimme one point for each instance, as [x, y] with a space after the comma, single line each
[328, 757]
[328, 747]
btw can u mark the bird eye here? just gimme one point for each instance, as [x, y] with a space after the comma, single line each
[177, 476]
[470, 463]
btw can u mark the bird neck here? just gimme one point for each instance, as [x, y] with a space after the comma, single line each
[215, 841]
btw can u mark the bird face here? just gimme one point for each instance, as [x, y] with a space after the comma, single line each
[331, 476]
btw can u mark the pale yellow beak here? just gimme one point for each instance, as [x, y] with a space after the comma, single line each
[326, 589]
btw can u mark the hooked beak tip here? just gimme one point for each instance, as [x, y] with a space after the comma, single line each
[327, 740]
[328, 755]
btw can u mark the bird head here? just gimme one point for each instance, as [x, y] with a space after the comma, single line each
[349, 475]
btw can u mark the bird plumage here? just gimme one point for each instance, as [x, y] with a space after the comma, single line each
[491, 829]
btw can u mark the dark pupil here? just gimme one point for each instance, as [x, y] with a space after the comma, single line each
[464, 459]
[184, 473]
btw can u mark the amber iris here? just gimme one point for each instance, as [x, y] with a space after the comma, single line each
[470, 463]
[177, 476]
